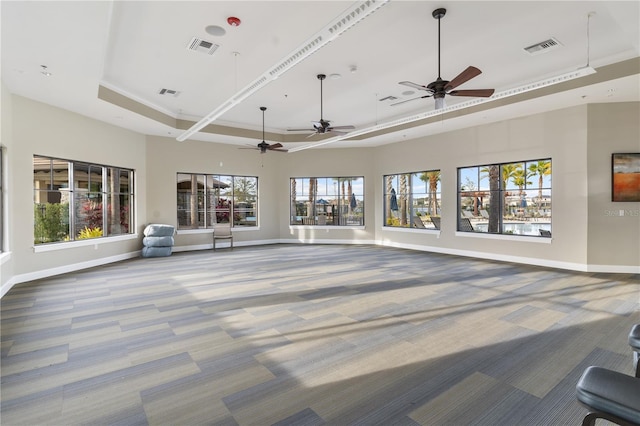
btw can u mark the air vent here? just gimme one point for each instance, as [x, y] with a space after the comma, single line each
[543, 46]
[168, 92]
[199, 45]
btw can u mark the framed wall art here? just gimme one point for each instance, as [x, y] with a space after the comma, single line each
[625, 177]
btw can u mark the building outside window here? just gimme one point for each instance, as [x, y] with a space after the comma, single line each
[327, 201]
[412, 200]
[509, 198]
[206, 200]
[75, 200]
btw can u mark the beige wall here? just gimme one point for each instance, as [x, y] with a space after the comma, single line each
[614, 238]
[40, 129]
[579, 141]
[166, 157]
[6, 138]
[327, 163]
[559, 135]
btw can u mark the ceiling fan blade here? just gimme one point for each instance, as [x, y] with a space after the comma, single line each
[279, 150]
[412, 99]
[332, 128]
[275, 145]
[481, 93]
[463, 77]
[415, 86]
[301, 130]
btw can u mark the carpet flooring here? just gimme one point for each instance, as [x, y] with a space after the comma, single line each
[310, 335]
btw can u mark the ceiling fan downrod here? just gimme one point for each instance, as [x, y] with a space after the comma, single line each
[321, 77]
[263, 109]
[439, 14]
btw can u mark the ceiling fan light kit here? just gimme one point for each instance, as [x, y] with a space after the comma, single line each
[562, 78]
[439, 88]
[323, 126]
[265, 146]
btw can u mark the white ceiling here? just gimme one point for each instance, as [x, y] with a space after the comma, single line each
[136, 48]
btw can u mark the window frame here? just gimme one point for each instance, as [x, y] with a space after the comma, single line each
[413, 212]
[89, 212]
[207, 193]
[336, 210]
[510, 187]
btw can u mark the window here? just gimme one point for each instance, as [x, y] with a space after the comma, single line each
[75, 200]
[204, 200]
[412, 200]
[332, 201]
[510, 198]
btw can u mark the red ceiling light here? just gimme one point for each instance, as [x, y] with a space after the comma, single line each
[233, 21]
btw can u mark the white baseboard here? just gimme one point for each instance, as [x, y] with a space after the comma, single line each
[321, 241]
[45, 273]
[177, 249]
[579, 267]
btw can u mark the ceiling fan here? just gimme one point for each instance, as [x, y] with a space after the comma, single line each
[323, 126]
[439, 88]
[264, 146]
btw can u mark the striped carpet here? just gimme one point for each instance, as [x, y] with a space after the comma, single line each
[310, 335]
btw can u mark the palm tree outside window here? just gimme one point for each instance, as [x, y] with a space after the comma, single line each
[327, 201]
[506, 198]
[412, 199]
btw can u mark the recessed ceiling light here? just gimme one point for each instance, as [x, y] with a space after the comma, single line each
[334, 76]
[215, 30]
[45, 71]
[408, 93]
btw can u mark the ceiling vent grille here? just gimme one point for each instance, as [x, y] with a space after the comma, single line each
[543, 46]
[169, 92]
[199, 45]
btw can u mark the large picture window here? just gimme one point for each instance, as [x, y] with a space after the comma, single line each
[206, 200]
[412, 200]
[327, 201]
[75, 200]
[508, 198]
